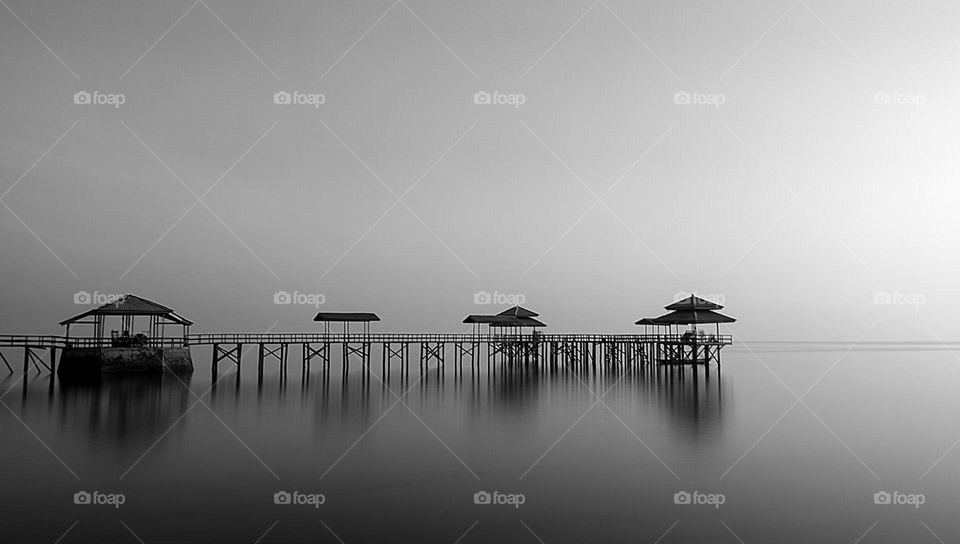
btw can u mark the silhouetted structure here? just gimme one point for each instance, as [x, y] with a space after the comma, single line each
[506, 337]
[360, 348]
[127, 309]
[692, 346]
[126, 349]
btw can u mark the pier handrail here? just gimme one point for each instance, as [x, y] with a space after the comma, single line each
[55, 341]
[43, 341]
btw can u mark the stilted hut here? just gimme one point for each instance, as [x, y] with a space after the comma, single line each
[352, 344]
[127, 309]
[511, 321]
[345, 319]
[693, 346]
[127, 348]
[505, 332]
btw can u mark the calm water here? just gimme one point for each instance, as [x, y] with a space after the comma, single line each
[588, 471]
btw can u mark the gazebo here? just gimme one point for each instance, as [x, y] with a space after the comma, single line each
[650, 323]
[127, 309]
[351, 346]
[514, 320]
[694, 317]
[693, 302]
[346, 318]
[692, 310]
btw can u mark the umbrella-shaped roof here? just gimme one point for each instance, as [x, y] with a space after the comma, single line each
[519, 322]
[687, 317]
[519, 311]
[504, 321]
[648, 321]
[693, 303]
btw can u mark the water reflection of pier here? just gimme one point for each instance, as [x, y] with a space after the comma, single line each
[122, 410]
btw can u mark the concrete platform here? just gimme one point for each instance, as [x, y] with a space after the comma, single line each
[93, 361]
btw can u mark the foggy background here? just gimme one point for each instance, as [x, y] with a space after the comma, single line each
[817, 182]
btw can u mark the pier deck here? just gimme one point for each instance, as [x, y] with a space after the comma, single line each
[516, 349]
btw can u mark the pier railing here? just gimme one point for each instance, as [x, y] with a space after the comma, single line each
[41, 341]
[48, 341]
[379, 338]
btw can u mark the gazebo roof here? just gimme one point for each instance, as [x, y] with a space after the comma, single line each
[687, 317]
[347, 316]
[693, 302]
[504, 321]
[647, 321]
[519, 322]
[518, 311]
[131, 305]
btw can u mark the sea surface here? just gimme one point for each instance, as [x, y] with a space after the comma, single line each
[803, 445]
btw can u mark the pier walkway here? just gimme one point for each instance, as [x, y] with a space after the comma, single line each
[511, 349]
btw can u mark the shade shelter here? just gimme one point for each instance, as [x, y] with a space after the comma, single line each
[346, 318]
[513, 319]
[518, 311]
[128, 308]
[650, 324]
[693, 302]
[694, 317]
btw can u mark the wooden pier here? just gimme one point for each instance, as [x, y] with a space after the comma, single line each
[510, 340]
[549, 351]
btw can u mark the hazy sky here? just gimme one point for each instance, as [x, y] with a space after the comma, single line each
[814, 169]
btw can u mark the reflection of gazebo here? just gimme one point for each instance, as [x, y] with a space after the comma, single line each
[127, 309]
